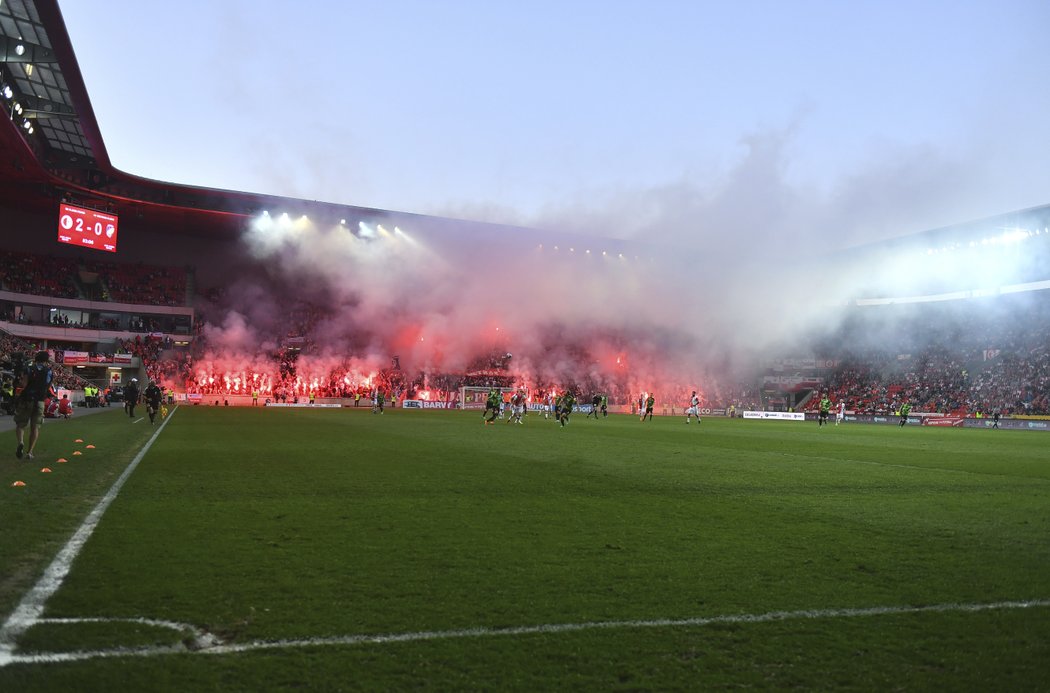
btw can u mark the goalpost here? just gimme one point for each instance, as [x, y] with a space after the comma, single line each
[471, 397]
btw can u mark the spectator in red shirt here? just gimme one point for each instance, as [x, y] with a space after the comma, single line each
[65, 407]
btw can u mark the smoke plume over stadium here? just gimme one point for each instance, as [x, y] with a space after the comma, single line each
[661, 288]
[709, 281]
[448, 297]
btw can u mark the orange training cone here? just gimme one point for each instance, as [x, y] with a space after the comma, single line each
[61, 459]
[90, 447]
[79, 440]
[19, 483]
[46, 470]
[77, 452]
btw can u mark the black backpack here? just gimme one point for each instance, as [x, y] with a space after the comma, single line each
[39, 384]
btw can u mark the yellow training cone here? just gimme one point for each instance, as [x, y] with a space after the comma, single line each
[79, 440]
[77, 452]
[90, 447]
[61, 459]
[19, 483]
[46, 470]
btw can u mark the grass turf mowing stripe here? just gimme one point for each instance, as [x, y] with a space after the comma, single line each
[203, 646]
[29, 610]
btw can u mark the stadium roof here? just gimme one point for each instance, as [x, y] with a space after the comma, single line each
[53, 148]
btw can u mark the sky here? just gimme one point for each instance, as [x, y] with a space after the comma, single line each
[688, 122]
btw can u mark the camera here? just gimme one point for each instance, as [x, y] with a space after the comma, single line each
[15, 366]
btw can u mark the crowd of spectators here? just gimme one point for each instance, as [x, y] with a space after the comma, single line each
[957, 363]
[63, 376]
[961, 359]
[26, 273]
[140, 283]
[95, 321]
[46, 275]
[149, 348]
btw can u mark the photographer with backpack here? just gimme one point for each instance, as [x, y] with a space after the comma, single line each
[35, 382]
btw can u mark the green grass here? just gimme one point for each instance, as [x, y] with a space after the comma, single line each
[284, 524]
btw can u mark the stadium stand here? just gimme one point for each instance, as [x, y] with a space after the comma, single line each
[140, 283]
[973, 358]
[37, 274]
[45, 275]
[63, 377]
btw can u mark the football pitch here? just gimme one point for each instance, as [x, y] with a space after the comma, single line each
[269, 549]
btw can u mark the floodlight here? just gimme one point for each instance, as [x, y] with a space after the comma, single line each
[8, 92]
[18, 108]
[26, 124]
[342, 222]
[20, 49]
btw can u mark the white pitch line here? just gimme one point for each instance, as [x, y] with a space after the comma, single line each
[29, 610]
[138, 419]
[543, 629]
[155, 622]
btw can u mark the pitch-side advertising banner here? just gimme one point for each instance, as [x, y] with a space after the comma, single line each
[426, 404]
[776, 415]
[951, 421]
[74, 357]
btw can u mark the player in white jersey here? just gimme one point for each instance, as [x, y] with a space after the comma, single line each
[694, 408]
[841, 415]
[517, 407]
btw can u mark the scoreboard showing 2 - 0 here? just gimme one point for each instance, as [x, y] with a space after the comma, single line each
[87, 228]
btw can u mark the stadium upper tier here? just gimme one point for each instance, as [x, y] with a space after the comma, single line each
[46, 275]
[1005, 254]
